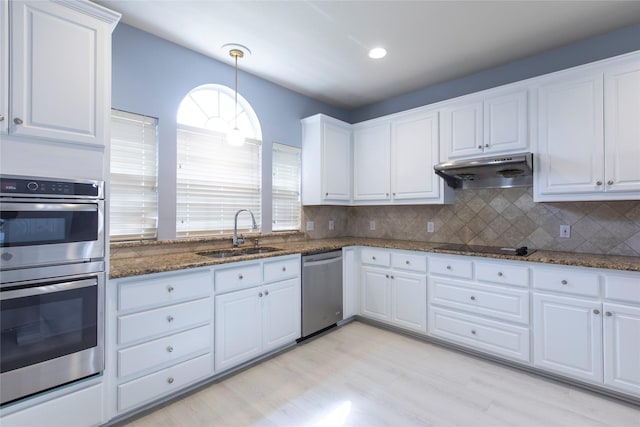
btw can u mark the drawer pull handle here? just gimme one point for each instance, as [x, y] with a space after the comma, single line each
[169, 349]
[266, 293]
[169, 318]
[260, 294]
[284, 268]
[170, 288]
[596, 311]
[608, 314]
[564, 282]
[473, 298]
[473, 332]
[170, 380]
[240, 276]
[448, 267]
[499, 273]
[17, 121]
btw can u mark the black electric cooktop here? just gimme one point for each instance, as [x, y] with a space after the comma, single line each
[454, 247]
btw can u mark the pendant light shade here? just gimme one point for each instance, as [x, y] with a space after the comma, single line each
[235, 136]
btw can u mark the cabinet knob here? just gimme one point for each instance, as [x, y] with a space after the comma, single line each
[326, 194]
[564, 282]
[373, 258]
[266, 293]
[169, 318]
[169, 349]
[499, 273]
[260, 294]
[240, 276]
[608, 314]
[596, 311]
[407, 262]
[170, 288]
[386, 194]
[473, 332]
[479, 147]
[598, 183]
[448, 267]
[17, 121]
[284, 268]
[1, 118]
[473, 298]
[394, 194]
[387, 276]
[486, 145]
[392, 277]
[170, 380]
[610, 182]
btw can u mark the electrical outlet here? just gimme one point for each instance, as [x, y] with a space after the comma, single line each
[431, 228]
[372, 225]
[565, 231]
[332, 224]
[309, 225]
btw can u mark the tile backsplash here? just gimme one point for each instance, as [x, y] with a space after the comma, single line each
[495, 217]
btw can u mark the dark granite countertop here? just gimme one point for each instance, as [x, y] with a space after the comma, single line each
[156, 260]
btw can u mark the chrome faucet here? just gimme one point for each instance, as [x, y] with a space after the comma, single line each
[237, 241]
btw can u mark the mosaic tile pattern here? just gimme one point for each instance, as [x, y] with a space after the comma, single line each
[496, 217]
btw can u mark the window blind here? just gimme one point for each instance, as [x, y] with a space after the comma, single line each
[214, 181]
[133, 201]
[286, 187]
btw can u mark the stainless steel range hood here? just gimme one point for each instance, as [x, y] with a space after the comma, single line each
[515, 170]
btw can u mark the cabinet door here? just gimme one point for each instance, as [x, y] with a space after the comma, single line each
[462, 129]
[375, 293]
[281, 314]
[414, 151]
[336, 162]
[351, 284]
[238, 327]
[371, 162]
[622, 128]
[409, 300]
[621, 344]
[567, 336]
[505, 123]
[570, 136]
[59, 61]
[4, 66]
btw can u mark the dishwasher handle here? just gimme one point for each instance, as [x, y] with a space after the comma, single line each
[312, 262]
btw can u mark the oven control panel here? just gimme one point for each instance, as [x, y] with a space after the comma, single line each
[45, 187]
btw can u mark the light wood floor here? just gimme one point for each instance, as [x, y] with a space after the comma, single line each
[361, 375]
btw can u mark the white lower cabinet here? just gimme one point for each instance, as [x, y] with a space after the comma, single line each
[160, 335]
[254, 321]
[392, 295]
[622, 347]
[483, 305]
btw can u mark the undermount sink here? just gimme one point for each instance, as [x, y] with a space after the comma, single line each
[228, 253]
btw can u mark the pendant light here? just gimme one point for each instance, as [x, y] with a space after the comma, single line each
[235, 136]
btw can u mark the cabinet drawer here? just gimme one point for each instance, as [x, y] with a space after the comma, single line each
[163, 290]
[410, 262]
[165, 320]
[375, 257]
[501, 303]
[161, 351]
[282, 268]
[236, 278]
[567, 280]
[623, 288]
[475, 332]
[503, 273]
[169, 380]
[454, 267]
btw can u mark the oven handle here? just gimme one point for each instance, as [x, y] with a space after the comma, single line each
[47, 289]
[50, 206]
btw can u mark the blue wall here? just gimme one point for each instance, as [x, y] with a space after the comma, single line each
[590, 50]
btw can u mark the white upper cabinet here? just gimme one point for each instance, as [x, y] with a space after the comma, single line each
[414, 151]
[326, 161]
[394, 159]
[371, 150]
[483, 124]
[588, 133]
[60, 76]
[4, 66]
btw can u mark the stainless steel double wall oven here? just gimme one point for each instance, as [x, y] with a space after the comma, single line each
[52, 278]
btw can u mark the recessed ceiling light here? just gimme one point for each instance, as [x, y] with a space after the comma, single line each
[377, 53]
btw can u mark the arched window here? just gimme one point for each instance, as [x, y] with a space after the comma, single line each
[215, 179]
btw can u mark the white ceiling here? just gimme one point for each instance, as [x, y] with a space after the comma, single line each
[319, 48]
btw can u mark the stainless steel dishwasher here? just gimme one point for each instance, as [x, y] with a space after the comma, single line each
[321, 291]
